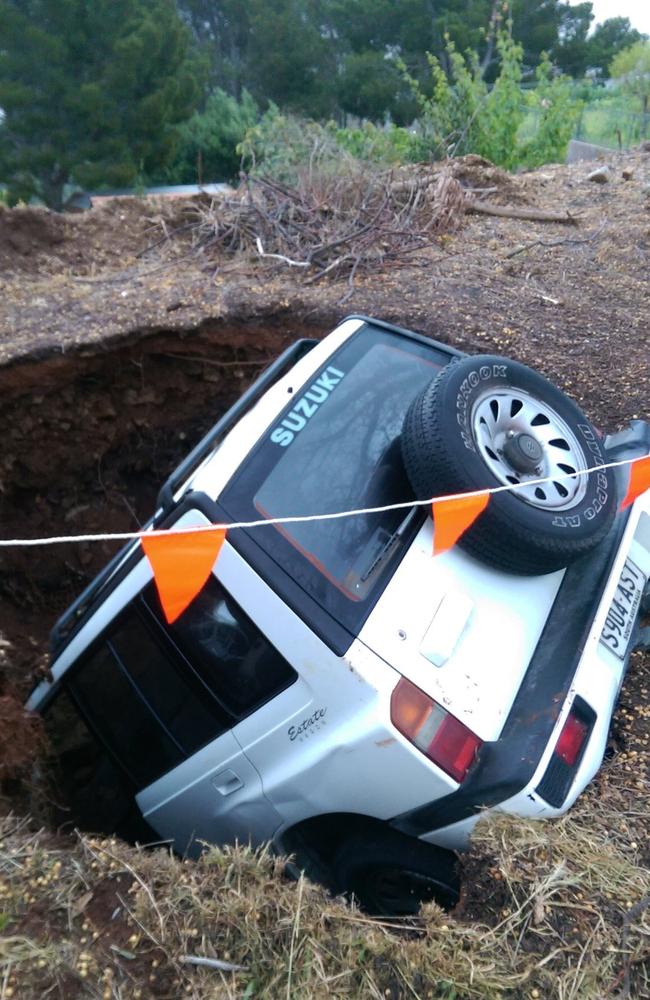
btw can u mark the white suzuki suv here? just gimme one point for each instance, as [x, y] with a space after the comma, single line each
[334, 688]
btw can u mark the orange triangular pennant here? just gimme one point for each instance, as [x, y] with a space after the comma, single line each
[639, 480]
[452, 517]
[181, 562]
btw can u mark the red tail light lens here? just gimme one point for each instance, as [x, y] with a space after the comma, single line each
[571, 740]
[444, 740]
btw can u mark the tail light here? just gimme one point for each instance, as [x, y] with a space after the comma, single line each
[571, 740]
[567, 753]
[440, 736]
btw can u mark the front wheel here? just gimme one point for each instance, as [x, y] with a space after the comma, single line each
[391, 875]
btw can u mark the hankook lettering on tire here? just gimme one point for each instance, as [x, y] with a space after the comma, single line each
[464, 392]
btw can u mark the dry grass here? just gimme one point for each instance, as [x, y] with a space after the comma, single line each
[552, 909]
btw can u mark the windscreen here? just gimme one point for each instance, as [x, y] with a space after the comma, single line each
[337, 447]
[347, 455]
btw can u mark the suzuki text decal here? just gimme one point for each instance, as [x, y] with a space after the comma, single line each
[306, 406]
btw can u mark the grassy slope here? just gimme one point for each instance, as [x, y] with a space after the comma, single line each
[552, 909]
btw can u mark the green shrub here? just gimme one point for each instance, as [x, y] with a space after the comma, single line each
[462, 114]
[503, 123]
[389, 145]
[209, 140]
[284, 145]
[556, 111]
[458, 114]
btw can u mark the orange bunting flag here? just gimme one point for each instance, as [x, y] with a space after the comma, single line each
[181, 562]
[639, 480]
[453, 517]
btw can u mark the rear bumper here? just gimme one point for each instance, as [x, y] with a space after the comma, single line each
[569, 662]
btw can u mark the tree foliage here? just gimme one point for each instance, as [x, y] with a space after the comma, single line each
[631, 67]
[103, 92]
[464, 115]
[571, 51]
[337, 57]
[608, 39]
[291, 61]
[371, 86]
[221, 29]
[556, 110]
[91, 90]
[208, 142]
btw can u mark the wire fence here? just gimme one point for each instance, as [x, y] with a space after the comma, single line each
[608, 124]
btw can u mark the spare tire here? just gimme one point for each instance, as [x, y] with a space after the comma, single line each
[488, 421]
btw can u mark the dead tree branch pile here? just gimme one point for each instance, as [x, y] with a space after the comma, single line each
[334, 226]
[357, 220]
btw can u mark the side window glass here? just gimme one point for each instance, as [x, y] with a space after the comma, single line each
[168, 685]
[121, 720]
[229, 652]
[144, 701]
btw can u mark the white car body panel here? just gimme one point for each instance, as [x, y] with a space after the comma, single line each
[598, 680]
[480, 679]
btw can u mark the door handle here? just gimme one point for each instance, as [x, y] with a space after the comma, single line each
[227, 782]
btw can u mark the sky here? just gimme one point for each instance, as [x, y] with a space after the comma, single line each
[638, 12]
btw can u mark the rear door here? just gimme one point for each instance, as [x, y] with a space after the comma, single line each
[217, 794]
[168, 733]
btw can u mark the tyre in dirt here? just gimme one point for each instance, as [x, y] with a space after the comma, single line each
[487, 421]
[390, 874]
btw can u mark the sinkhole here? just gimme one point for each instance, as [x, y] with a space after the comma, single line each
[87, 441]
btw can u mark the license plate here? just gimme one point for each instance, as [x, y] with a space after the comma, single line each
[622, 611]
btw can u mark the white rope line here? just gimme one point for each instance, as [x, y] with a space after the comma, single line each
[125, 536]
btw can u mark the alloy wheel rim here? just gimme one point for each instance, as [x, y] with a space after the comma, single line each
[521, 439]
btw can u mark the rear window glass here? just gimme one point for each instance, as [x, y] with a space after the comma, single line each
[155, 694]
[106, 697]
[167, 685]
[337, 447]
[234, 660]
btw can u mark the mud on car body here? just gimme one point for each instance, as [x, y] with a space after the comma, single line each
[334, 689]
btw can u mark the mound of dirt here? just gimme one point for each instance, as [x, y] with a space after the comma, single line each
[21, 740]
[478, 175]
[35, 241]
[28, 232]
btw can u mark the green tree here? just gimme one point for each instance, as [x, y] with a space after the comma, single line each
[208, 141]
[571, 52]
[631, 68]
[465, 115]
[221, 30]
[535, 25]
[608, 39]
[411, 28]
[370, 85]
[290, 59]
[92, 91]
